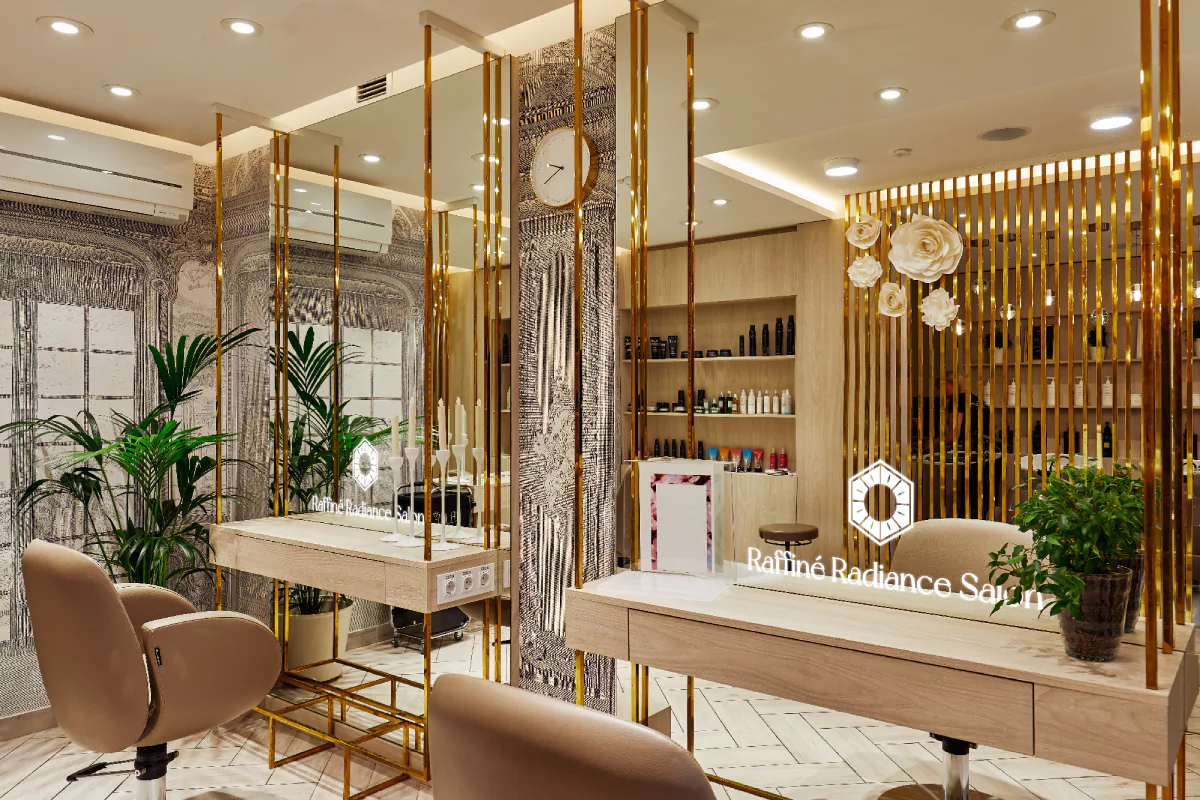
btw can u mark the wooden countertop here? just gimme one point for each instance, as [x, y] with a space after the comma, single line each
[991, 683]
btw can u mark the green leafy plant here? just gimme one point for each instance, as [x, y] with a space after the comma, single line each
[140, 492]
[311, 447]
[1083, 522]
[306, 599]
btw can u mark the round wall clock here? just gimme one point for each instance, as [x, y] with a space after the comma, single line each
[554, 163]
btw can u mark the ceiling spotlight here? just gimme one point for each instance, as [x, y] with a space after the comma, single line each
[301, 191]
[480, 157]
[242, 27]
[371, 158]
[704, 104]
[720, 201]
[698, 222]
[812, 30]
[1028, 20]
[106, 172]
[841, 167]
[120, 91]
[892, 93]
[478, 187]
[55, 137]
[64, 26]
[1113, 117]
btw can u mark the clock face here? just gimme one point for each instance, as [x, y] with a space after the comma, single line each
[554, 164]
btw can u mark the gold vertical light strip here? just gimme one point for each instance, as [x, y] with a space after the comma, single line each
[952, 391]
[983, 458]
[882, 207]
[1189, 284]
[1034, 301]
[490, 538]
[1114, 301]
[276, 443]
[580, 693]
[643, 249]
[1060, 297]
[1150, 541]
[634, 258]
[1127, 230]
[1182, 338]
[1046, 441]
[848, 408]
[998, 396]
[337, 330]
[1085, 326]
[220, 281]
[1018, 272]
[1101, 327]
[1068, 326]
[427, 456]
[1004, 320]
[855, 426]
[919, 391]
[1165, 329]
[497, 230]
[284, 318]
[944, 416]
[691, 246]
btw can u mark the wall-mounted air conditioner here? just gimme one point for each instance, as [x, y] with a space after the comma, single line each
[365, 221]
[50, 164]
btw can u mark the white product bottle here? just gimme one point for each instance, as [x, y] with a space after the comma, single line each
[987, 393]
[1107, 395]
[1051, 391]
[775, 403]
[1079, 392]
[742, 403]
[758, 403]
[1012, 394]
[508, 400]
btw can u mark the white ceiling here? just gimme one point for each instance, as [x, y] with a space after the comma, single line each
[182, 61]
[785, 106]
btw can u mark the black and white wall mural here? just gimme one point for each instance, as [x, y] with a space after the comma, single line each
[546, 378]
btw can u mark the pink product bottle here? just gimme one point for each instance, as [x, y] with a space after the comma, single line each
[783, 460]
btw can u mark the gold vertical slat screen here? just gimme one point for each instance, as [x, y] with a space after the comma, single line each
[1051, 273]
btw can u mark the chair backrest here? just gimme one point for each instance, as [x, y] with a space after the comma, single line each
[949, 548]
[489, 741]
[91, 662]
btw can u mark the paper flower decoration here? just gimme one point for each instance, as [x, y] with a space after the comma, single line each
[865, 271]
[893, 302]
[925, 249]
[938, 309]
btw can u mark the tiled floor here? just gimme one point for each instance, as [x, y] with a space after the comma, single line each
[801, 751]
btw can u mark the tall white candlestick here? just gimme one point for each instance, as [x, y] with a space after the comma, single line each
[441, 423]
[412, 421]
[396, 435]
[478, 422]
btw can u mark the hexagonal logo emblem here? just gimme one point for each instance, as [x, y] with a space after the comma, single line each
[881, 531]
[364, 464]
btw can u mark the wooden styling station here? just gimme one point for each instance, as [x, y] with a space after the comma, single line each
[967, 680]
[345, 555]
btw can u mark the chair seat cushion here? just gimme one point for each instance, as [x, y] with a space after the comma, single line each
[787, 532]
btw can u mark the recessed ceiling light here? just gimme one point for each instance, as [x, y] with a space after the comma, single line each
[503, 121]
[812, 30]
[120, 90]
[1028, 20]
[480, 157]
[1113, 117]
[301, 191]
[64, 26]
[704, 103]
[698, 222]
[314, 203]
[720, 201]
[243, 27]
[892, 93]
[841, 167]
[55, 137]
[106, 171]
[477, 187]
[1004, 134]
[504, 238]
[371, 158]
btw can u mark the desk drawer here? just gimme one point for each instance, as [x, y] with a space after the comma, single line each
[966, 705]
[357, 577]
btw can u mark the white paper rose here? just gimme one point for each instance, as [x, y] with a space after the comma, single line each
[865, 271]
[864, 233]
[925, 249]
[938, 309]
[893, 302]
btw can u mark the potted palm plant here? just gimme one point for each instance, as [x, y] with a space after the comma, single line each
[310, 631]
[143, 492]
[1086, 527]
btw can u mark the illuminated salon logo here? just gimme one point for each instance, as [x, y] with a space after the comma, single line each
[881, 531]
[364, 464]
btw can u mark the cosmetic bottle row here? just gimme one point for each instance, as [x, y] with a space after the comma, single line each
[668, 348]
[742, 459]
[754, 401]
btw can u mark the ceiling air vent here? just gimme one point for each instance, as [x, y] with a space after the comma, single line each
[372, 89]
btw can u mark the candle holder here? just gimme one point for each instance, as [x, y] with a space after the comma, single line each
[460, 457]
[443, 458]
[397, 465]
[413, 454]
[480, 475]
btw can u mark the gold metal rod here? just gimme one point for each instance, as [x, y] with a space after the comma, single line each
[855, 387]
[847, 408]
[337, 328]
[997, 447]
[1165, 308]
[284, 321]
[1043, 446]
[475, 316]
[1005, 276]
[1018, 272]
[1129, 330]
[1069, 325]
[634, 673]
[691, 708]
[427, 664]
[577, 177]
[1183, 298]
[920, 484]
[634, 250]
[337, 601]
[941, 394]
[1150, 351]
[644, 241]
[287, 616]
[491, 538]
[1084, 322]
[957, 505]
[742, 787]
[220, 282]
[1114, 301]
[276, 454]
[1055, 199]
[691, 246]
[1189, 354]
[497, 232]
[429, 329]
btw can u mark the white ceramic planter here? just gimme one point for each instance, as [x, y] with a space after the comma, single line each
[310, 639]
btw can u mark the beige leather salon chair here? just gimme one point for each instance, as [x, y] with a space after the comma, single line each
[490, 741]
[949, 548]
[136, 665]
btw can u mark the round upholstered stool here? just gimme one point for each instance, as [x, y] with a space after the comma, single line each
[788, 535]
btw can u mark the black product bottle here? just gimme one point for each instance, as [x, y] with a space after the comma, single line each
[504, 349]
[1036, 445]
[682, 404]
[753, 340]
[657, 448]
[1008, 440]
[766, 340]
[1078, 443]
[1066, 442]
[779, 336]
[628, 349]
[1106, 441]
[741, 345]
[674, 448]
[700, 451]
[1049, 341]
[791, 335]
